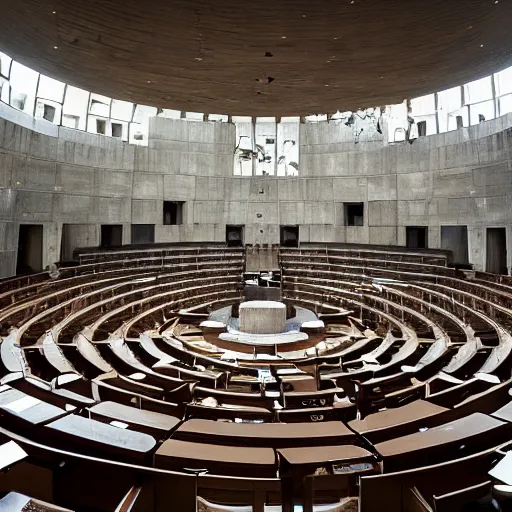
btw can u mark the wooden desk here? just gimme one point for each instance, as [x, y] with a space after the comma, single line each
[176, 455]
[384, 425]
[341, 464]
[275, 435]
[149, 422]
[94, 437]
[458, 438]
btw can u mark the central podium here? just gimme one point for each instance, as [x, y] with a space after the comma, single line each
[262, 317]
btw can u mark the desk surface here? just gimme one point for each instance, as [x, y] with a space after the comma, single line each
[417, 410]
[92, 431]
[267, 434]
[136, 416]
[454, 431]
[324, 454]
[30, 409]
[505, 413]
[218, 459]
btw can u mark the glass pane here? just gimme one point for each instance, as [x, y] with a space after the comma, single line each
[100, 105]
[288, 149]
[423, 106]
[479, 90]
[505, 104]
[5, 64]
[122, 110]
[244, 149]
[482, 112]
[75, 108]
[266, 135]
[503, 82]
[50, 89]
[23, 83]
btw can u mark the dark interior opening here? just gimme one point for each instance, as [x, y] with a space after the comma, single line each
[117, 130]
[173, 213]
[496, 251]
[235, 236]
[416, 237]
[30, 249]
[354, 214]
[101, 126]
[422, 128]
[455, 239]
[460, 122]
[111, 235]
[290, 236]
[143, 233]
[49, 113]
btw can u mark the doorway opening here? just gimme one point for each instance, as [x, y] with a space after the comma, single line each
[455, 239]
[30, 249]
[290, 236]
[416, 237]
[143, 233]
[496, 251]
[235, 236]
[111, 235]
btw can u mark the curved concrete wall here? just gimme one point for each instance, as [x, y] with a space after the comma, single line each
[71, 177]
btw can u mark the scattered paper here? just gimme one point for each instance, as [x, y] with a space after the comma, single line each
[119, 424]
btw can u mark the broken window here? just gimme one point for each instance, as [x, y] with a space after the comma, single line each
[266, 133]
[173, 213]
[288, 148]
[244, 149]
[100, 105]
[354, 214]
[101, 126]
[117, 130]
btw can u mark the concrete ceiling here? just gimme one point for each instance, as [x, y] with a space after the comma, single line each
[210, 56]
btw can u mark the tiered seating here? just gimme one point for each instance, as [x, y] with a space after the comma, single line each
[106, 372]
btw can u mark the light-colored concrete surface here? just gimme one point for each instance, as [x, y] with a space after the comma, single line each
[56, 176]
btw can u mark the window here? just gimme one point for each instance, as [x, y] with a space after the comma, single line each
[117, 130]
[460, 122]
[100, 126]
[70, 121]
[143, 233]
[422, 128]
[49, 113]
[234, 236]
[173, 213]
[354, 214]
[290, 236]
[416, 237]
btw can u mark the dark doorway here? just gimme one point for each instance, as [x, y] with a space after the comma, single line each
[290, 236]
[496, 251]
[422, 128]
[143, 233]
[455, 239]
[173, 213]
[354, 214]
[30, 249]
[235, 236]
[416, 237]
[111, 235]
